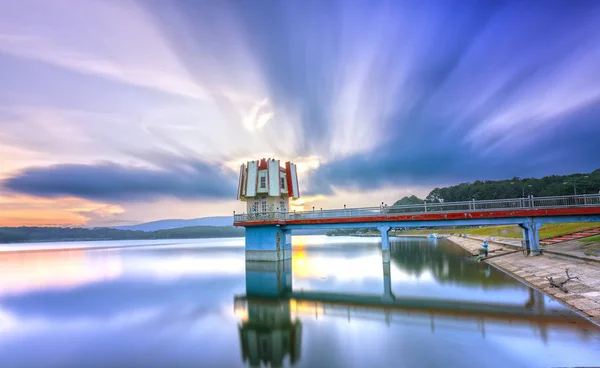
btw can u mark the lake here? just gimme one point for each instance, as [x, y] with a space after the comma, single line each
[197, 303]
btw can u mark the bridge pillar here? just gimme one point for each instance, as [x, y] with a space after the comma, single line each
[287, 245]
[385, 242]
[531, 236]
[268, 243]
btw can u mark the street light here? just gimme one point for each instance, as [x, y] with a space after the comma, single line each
[574, 184]
[522, 189]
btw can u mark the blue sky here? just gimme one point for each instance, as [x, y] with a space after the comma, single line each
[116, 112]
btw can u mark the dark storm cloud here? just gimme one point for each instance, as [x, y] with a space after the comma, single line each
[114, 182]
[455, 91]
[431, 160]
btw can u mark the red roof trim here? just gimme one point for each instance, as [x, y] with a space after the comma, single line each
[288, 179]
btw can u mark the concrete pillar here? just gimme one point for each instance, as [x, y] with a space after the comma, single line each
[531, 236]
[385, 242]
[287, 245]
[267, 243]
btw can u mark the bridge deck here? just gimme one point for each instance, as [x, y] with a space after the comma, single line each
[576, 205]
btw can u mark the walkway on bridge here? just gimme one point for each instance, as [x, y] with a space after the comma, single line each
[267, 233]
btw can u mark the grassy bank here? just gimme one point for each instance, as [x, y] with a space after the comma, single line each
[590, 239]
[590, 246]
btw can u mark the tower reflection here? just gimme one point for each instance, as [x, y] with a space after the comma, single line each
[267, 332]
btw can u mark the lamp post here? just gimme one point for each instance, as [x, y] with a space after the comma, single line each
[522, 188]
[575, 184]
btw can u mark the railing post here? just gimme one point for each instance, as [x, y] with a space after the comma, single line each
[531, 201]
[425, 203]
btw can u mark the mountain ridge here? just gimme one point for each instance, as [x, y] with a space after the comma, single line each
[168, 224]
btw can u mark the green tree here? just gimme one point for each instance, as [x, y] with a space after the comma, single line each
[409, 200]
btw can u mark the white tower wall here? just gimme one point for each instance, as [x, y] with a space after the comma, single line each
[265, 186]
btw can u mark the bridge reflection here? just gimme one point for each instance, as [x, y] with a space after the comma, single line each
[446, 263]
[271, 311]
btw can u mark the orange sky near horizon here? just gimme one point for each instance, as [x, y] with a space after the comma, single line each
[21, 210]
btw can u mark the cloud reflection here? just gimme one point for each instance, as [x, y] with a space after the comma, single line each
[30, 271]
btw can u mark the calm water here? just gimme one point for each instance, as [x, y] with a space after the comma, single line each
[198, 304]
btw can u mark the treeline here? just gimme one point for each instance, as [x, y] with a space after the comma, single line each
[554, 185]
[348, 232]
[44, 234]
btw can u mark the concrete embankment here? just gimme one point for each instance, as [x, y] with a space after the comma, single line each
[583, 293]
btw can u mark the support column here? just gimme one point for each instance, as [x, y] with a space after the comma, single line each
[287, 245]
[525, 231]
[267, 243]
[531, 236]
[385, 243]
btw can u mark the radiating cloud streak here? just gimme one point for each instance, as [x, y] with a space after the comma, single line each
[378, 94]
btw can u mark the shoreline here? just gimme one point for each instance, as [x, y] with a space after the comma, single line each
[379, 236]
[583, 295]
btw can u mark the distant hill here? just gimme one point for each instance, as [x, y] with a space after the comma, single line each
[554, 185]
[49, 234]
[179, 223]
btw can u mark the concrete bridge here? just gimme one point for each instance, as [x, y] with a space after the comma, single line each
[268, 234]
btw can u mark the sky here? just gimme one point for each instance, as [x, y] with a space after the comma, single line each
[117, 112]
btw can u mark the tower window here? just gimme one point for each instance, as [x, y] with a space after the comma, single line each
[263, 182]
[282, 183]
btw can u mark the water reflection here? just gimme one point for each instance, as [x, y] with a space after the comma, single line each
[334, 305]
[22, 272]
[274, 311]
[446, 262]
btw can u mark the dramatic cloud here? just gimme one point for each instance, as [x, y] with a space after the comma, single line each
[381, 95]
[113, 182]
[564, 145]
